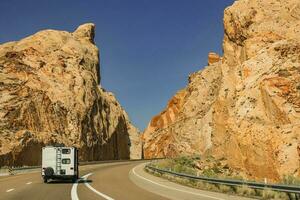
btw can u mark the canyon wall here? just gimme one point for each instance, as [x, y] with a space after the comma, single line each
[244, 107]
[51, 94]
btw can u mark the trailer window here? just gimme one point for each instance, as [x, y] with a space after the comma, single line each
[66, 151]
[66, 161]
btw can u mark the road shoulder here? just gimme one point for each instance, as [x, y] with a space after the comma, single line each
[172, 190]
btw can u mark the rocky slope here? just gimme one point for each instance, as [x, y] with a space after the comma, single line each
[50, 94]
[244, 107]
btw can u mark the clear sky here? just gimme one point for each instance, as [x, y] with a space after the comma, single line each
[147, 47]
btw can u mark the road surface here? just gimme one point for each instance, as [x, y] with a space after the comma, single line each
[110, 181]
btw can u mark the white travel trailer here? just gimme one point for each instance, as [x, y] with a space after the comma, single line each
[59, 163]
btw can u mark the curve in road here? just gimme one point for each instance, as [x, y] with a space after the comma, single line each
[110, 181]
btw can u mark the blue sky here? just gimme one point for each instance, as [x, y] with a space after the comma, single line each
[147, 47]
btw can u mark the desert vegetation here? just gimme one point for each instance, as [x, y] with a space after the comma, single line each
[213, 168]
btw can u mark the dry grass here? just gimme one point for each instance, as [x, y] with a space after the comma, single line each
[245, 191]
[290, 180]
[268, 194]
[226, 189]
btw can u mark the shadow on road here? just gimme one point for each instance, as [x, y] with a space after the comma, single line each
[69, 181]
[84, 181]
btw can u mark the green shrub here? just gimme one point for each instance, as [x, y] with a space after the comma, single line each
[209, 173]
[162, 164]
[185, 161]
[183, 169]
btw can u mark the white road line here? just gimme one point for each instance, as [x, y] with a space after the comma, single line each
[74, 195]
[28, 183]
[94, 190]
[12, 189]
[194, 193]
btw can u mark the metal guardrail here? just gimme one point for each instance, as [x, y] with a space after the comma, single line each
[24, 168]
[16, 170]
[255, 185]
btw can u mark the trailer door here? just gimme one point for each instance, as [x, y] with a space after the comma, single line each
[48, 158]
[67, 161]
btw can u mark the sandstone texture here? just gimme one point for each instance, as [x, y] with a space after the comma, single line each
[244, 107]
[213, 58]
[50, 94]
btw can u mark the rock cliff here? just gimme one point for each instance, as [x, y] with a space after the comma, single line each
[50, 94]
[244, 107]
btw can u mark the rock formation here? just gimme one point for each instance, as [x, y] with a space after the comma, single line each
[213, 58]
[50, 94]
[245, 106]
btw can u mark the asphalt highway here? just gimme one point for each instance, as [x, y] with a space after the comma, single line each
[109, 181]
